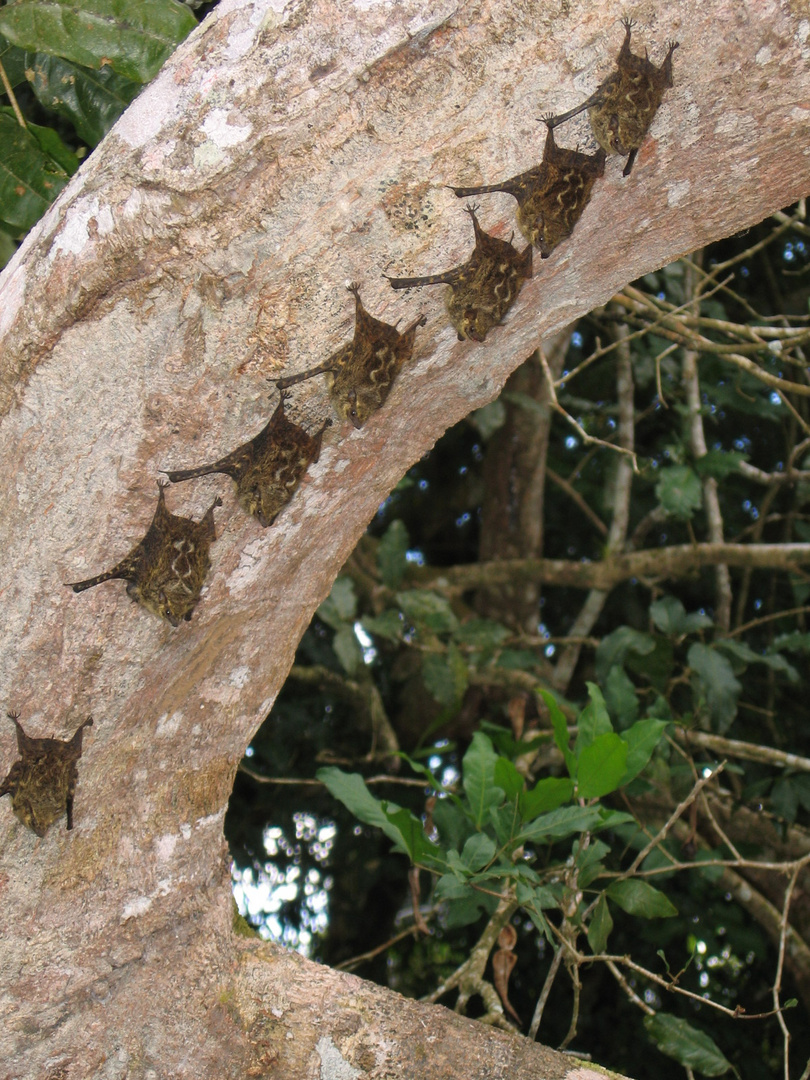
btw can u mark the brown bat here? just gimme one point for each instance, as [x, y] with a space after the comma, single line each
[482, 290]
[166, 570]
[42, 782]
[552, 195]
[268, 469]
[362, 372]
[623, 107]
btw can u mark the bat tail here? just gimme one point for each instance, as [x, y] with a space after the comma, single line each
[482, 189]
[291, 380]
[119, 571]
[413, 282]
[178, 475]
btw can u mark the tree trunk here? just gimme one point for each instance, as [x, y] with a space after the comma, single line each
[283, 151]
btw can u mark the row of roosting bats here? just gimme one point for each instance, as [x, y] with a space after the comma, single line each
[166, 571]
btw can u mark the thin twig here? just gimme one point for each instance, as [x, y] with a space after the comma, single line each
[628, 989]
[544, 993]
[717, 744]
[355, 961]
[591, 440]
[293, 780]
[768, 618]
[7, 87]
[673, 817]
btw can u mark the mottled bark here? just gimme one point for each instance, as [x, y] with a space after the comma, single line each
[202, 248]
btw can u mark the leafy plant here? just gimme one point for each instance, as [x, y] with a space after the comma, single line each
[79, 65]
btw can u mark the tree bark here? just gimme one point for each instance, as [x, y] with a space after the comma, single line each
[283, 151]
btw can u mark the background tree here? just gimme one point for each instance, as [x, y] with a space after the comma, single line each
[203, 247]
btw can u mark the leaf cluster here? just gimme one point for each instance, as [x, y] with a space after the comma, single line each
[70, 71]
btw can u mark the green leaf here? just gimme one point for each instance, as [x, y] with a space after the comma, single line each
[687, 1044]
[468, 909]
[566, 821]
[719, 463]
[132, 38]
[445, 676]
[347, 649]
[793, 642]
[547, 794]
[391, 554]
[714, 683]
[712, 874]
[448, 887]
[534, 901]
[507, 745]
[600, 925]
[801, 785]
[399, 825]
[389, 625]
[642, 739]
[542, 898]
[620, 697]
[508, 778]
[52, 146]
[489, 418]
[588, 858]
[638, 898]
[746, 655]
[351, 790]
[518, 659]
[505, 820]
[340, 606]
[91, 100]
[481, 633]
[7, 249]
[428, 608]
[785, 798]
[30, 179]
[601, 766]
[431, 780]
[479, 778]
[669, 615]
[560, 732]
[410, 828]
[453, 823]
[679, 491]
[13, 61]
[478, 851]
[613, 819]
[613, 649]
[656, 668]
[593, 720]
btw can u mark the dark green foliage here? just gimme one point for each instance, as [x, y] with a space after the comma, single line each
[132, 37]
[518, 767]
[73, 69]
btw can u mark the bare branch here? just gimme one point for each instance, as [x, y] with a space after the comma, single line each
[657, 564]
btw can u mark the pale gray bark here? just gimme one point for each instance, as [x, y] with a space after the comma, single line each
[284, 150]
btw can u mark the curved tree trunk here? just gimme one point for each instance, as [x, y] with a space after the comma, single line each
[204, 247]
